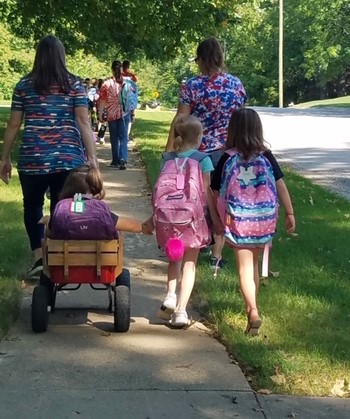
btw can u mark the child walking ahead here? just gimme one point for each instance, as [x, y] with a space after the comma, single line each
[180, 198]
[246, 185]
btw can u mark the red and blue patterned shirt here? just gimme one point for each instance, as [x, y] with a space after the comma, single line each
[212, 100]
[51, 140]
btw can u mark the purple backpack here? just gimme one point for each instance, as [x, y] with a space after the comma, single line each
[248, 204]
[179, 203]
[94, 223]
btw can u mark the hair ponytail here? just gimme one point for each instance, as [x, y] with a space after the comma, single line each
[95, 182]
[84, 180]
[178, 142]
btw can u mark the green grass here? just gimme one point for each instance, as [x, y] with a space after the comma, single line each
[304, 344]
[339, 102]
[14, 248]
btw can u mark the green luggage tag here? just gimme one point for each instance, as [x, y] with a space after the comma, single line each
[78, 204]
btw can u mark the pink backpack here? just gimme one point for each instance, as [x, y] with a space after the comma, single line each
[179, 203]
[248, 204]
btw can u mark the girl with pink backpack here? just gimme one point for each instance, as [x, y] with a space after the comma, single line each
[247, 184]
[182, 202]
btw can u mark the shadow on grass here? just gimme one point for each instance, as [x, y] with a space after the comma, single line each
[151, 130]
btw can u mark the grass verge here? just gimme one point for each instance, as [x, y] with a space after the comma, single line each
[13, 242]
[339, 102]
[303, 347]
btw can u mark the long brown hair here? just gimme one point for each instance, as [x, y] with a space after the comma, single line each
[84, 180]
[245, 133]
[49, 69]
[211, 55]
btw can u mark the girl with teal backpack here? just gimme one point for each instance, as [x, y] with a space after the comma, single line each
[247, 184]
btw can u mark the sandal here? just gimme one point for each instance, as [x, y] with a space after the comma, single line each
[253, 326]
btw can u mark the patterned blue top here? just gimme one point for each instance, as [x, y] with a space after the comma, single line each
[212, 100]
[51, 140]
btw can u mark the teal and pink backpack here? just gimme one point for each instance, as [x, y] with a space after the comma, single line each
[179, 202]
[248, 202]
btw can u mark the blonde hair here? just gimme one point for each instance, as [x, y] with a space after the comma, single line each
[84, 180]
[188, 131]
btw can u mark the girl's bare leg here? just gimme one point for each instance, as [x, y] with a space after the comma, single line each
[247, 263]
[174, 276]
[189, 262]
[169, 303]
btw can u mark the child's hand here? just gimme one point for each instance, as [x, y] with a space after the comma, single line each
[148, 226]
[219, 228]
[44, 220]
[290, 223]
[146, 230]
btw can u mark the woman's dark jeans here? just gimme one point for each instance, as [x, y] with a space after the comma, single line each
[33, 190]
[118, 132]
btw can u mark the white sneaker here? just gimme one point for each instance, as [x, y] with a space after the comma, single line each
[168, 307]
[170, 301]
[179, 319]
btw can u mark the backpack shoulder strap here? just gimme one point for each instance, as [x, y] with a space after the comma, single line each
[232, 152]
[170, 155]
[198, 156]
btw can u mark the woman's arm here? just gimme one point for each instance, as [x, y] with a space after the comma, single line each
[82, 118]
[12, 129]
[181, 110]
[286, 202]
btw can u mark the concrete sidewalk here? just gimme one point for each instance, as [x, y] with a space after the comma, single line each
[81, 368]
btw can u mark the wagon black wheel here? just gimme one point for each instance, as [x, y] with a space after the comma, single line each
[46, 281]
[121, 308]
[124, 278]
[53, 294]
[40, 315]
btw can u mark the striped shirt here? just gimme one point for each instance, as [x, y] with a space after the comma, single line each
[51, 140]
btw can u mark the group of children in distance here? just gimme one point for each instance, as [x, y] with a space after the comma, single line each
[248, 227]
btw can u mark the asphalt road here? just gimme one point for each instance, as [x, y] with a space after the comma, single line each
[315, 141]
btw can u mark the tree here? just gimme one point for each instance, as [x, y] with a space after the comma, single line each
[157, 27]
